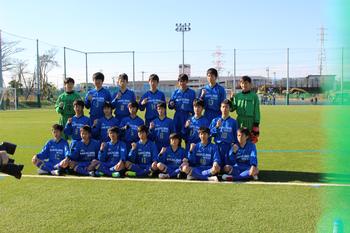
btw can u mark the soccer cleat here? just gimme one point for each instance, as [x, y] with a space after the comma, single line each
[255, 177]
[213, 178]
[92, 174]
[163, 176]
[181, 175]
[42, 172]
[226, 177]
[116, 174]
[130, 174]
[190, 177]
[56, 172]
[97, 173]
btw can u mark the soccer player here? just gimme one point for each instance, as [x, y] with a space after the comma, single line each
[151, 98]
[83, 154]
[170, 158]
[142, 155]
[212, 94]
[122, 98]
[192, 125]
[112, 155]
[242, 162]
[100, 127]
[96, 97]
[64, 103]
[129, 126]
[203, 159]
[224, 130]
[161, 128]
[246, 104]
[74, 124]
[182, 101]
[52, 153]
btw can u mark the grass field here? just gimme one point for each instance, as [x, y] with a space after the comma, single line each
[291, 149]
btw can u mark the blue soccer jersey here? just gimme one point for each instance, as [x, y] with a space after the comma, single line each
[100, 130]
[121, 104]
[161, 132]
[226, 133]
[154, 98]
[113, 153]
[245, 157]
[144, 154]
[204, 155]
[130, 134]
[54, 151]
[212, 100]
[81, 152]
[97, 102]
[190, 133]
[172, 158]
[73, 129]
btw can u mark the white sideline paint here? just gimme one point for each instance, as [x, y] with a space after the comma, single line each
[187, 181]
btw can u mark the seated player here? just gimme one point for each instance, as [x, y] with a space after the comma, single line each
[242, 162]
[203, 159]
[170, 158]
[161, 128]
[129, 126]
[100, 127]
[83, 155]
[112, 155]
[52, 153]
[72, 128]
[142, 155]
[224, 130]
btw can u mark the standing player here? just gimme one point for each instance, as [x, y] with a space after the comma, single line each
[212, 94]
[142, 155]
[64, 103]
[242, 162]
[203, 159]
[96, 97]
[192, 125]
[151, 98]
[170, 158]
[129, 126]
[112, 155]
[161, 128]
[72, 128]
[122, 98]
[224, 130]
[100, 127]
[182, 101]
[52, 154]
[246, 104]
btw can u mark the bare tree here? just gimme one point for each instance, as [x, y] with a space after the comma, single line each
[47, 63]
[9, 48]
[24, 77]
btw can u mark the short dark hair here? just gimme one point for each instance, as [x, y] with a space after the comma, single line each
[161, 105]
[99, 76]
[142, 128]
[244, 130]
[114, 129]
[227, 102]
[246, 79]
[153, 77]
[198, 102]
[133, 104]
[68, 80]
[107, 104]
[86, 128]
[123, 76]
[175, 136]
[183, 77]
[57, 127]
[79, 103]
[212, 71]
[204, 129]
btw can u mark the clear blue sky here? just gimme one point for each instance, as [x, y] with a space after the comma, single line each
[260, 30]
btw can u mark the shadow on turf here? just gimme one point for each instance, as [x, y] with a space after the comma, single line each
[293, 176]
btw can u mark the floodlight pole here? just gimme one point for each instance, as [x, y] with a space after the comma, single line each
[1, 77]
[38, 73]
[287, 85]
[86, 72]
[234, 71]
[64, 63]
[180, 27]
[133, 70]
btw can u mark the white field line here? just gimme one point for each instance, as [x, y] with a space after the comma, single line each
[188, 181]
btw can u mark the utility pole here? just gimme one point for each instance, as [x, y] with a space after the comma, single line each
[183, 27]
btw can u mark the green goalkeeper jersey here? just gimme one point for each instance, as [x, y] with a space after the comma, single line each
[246, 104]
[67, 110]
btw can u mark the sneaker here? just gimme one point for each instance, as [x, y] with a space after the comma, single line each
[190, 177]
[255, 177]
[163, 176]
[226, 177]
[116, 174]
[97, 173]
[42, 172]
[92, 174]
[130, 174]
[213, 178]
[55, 172]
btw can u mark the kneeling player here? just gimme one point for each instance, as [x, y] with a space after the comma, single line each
[142, 155]
[203, 159]
[242, 161]
[112, 155]
[83, 155]
[53, 152]
[170, 158]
